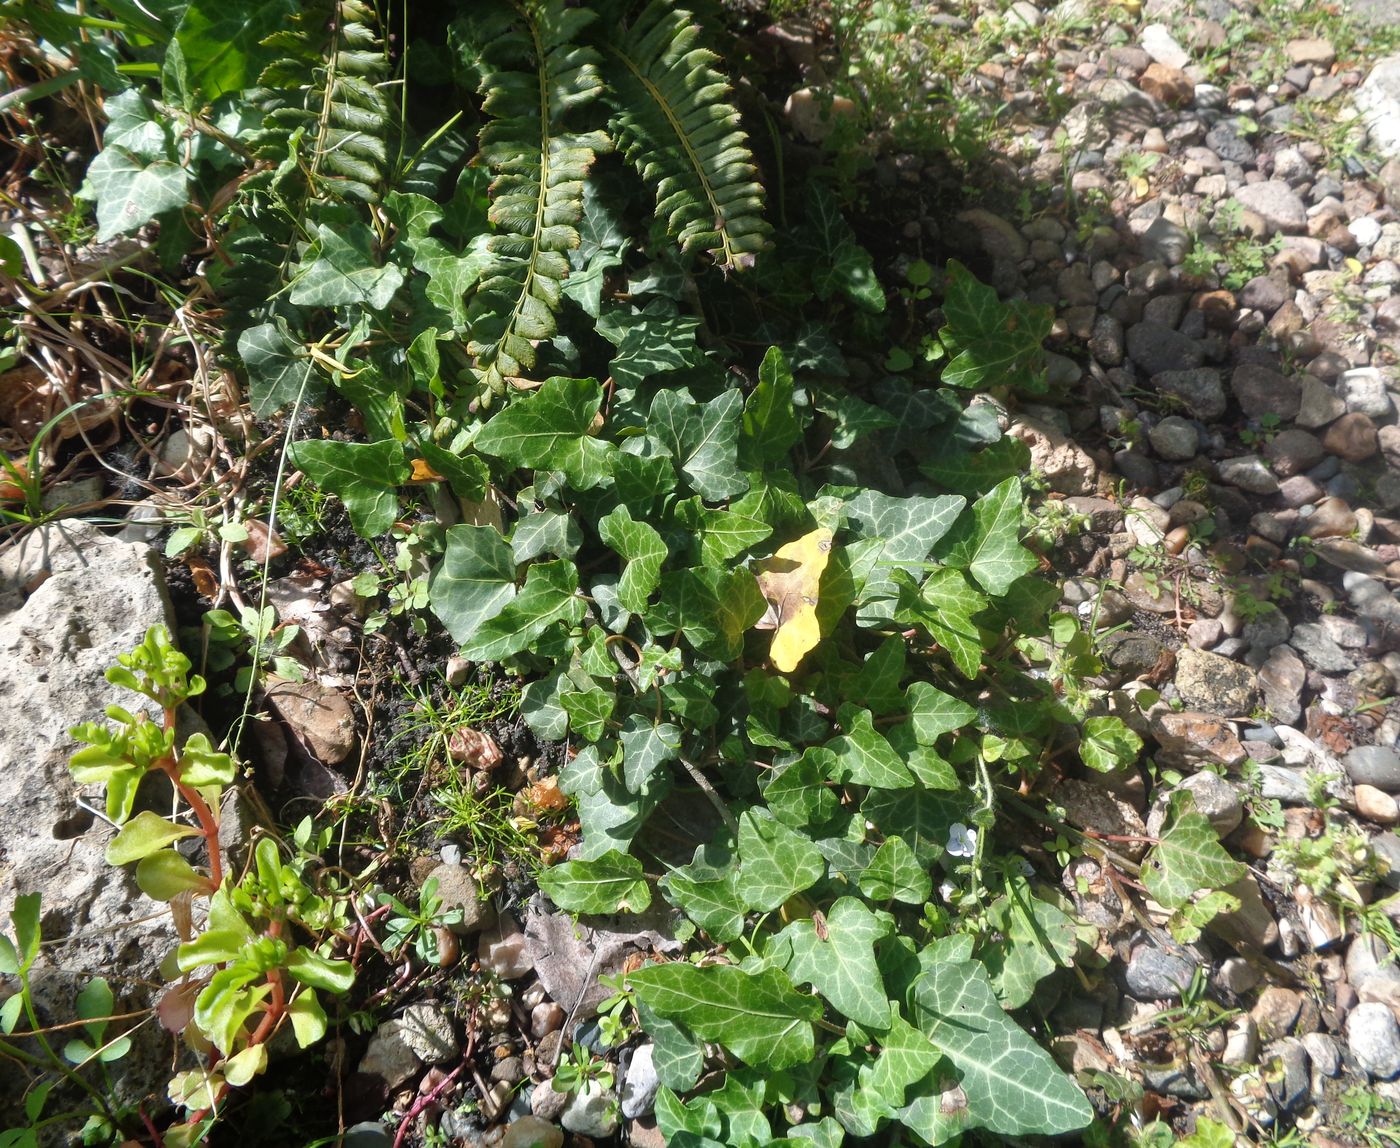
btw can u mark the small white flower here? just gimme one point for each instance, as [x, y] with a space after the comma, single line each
[946, 890]
[962, 841]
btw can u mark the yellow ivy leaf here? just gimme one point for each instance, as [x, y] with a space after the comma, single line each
[790, 581]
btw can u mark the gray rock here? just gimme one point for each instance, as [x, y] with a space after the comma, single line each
[640, 1087]
[1276, 203]
[592, 1112]
[1290, 1085]
[1318, 405]
[1261, 391]
[1363, 390]
[1199, 389]
[1374, 1040]
[1225, 141]
[1132, 654]
[429, 1032]
[71, 601]
[1320, 651]
[1376, 765]
[1266, 293]
[1156, 347]
[1322, 1049]
[1158, 42]
[532, 1132]
[1166, 242]
[390, 1056]
[1294, 451]
[1378, 100]
[1175, 438]
[1215, 799]
[368, 1134]
[1179, 1080]
[1266, 630]
[1281, 678]
[1236, 975]
[1106, 341]
[1249, 473]
[1241, 1042]
[457, 890]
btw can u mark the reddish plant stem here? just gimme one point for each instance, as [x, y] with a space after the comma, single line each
[443, 1085]
[156, 1138]
[208, 823]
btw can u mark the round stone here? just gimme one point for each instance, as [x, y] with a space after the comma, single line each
[1374, 1038]
[1376, 765]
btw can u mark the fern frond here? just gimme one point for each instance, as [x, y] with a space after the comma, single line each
[674, 123]
[323, 139]
[538, 75]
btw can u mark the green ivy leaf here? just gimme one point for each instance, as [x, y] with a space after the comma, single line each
[279, 369]
[588, 710]
[713, 608]
[647, 745]
[986, 540]
[366, 476]
[934, 713]
[945, 606]
[895, 874]
[130, 191]
[1106, 744]
[838, 959]
[222, 44]
[839, 263]
[677, 1056]
[989, 342]
[760, 1017]
[545, 531]
[609, 813]
[550, 595]
[774, 861]
[1187, 858]
[799, 794]
[770, 426]
[702, 438]
[906, 1057]
[723, 534]
[474, 581]
[644, 551]
[467, 474]
[552, 429]
[612, 883]
[972, 473]
[1034, 938]
[708, 896]
[864, 757]
[1011, 1085]
[339, 270]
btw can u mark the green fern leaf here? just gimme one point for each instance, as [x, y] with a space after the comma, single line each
[675, 126]
[538, 75]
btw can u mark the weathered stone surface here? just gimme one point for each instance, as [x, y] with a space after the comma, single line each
[457, 890]
[1089, 806]
[1208, 680]
[1378, 99]
[319, 717]
[1196, 737]
[1277, 204]
[1066, 466]
[1200, 390]
[1261, 391]
[1374, 1039]
[71, 600]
